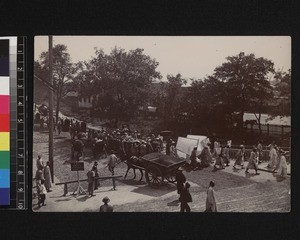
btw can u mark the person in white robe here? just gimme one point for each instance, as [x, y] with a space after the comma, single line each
[260, 151]
[282, 170]
[273, 157]
[211, 205]
[39, 163]
[253, 161]
[47, 176]
[240, 157]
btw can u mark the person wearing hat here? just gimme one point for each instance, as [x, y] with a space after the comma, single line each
[149, 146]
[185, 198]
[39, 163]
[143, 148]
[205, 158]
[282, 170]
[112, 162]
[135, 134]
[252, 161]
[168, 146]
[260, 151]
[96, 175]
[219, 161]
[106, 207]
[91, 181]
[77, 149]
[217, 148]
[156, 145]
[273, 156]
[180, 180]
[211, 205]
[193, 158]
[240, 157]
[225, 155]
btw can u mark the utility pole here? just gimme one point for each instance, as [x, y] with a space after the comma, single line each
[51, 109]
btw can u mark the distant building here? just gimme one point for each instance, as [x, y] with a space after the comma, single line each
[85, 102]
[71, 99]
[268, 119]
[269, 125]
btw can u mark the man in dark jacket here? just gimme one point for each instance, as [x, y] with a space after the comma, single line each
[193, 159]
[181, 179]
[106, 207]
[91, 181]
[168, 146]
[96, 184]
[185, 198]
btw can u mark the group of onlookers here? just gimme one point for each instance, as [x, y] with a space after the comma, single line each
[43, 180]
[220, 157]
[185, 196]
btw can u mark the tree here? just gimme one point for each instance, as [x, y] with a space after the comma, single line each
[120, 80]
[63, 71]
[208, 105]
[260, 100]
[41, 90]
[283, 93]
[172, 102]
[247, 82]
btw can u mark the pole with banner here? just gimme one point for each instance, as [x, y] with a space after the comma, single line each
[78, 166]
[51, 108]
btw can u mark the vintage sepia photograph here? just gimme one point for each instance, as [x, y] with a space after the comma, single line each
[162, 124]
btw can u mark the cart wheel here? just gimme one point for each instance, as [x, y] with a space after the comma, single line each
[154, 176]
[171, 178]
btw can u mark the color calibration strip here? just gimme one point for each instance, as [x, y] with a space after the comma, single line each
[13, 165]
[4, 124]
[19, 120]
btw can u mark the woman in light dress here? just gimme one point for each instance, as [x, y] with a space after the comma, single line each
[282, 170]
[252, 161]
[240, 157]
[47, 176]
[273, 157]
[211, 205]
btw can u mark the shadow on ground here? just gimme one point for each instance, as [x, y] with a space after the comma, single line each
[64, 200]
[160, 191]
[60, 137]
[132, 182]
[174, 203]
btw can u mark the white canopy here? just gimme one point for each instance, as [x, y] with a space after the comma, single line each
[202, 141]
[185, 147]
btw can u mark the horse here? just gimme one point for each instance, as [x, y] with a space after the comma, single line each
[134, 163]
[77, 150]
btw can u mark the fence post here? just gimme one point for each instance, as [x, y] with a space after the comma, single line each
[65, 189]
[114, 183]
[268, 130]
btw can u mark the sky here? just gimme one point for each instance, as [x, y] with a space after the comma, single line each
[191, 56]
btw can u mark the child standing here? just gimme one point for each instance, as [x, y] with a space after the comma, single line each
[42, 192]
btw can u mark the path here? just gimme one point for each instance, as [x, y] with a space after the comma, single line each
[235, 190]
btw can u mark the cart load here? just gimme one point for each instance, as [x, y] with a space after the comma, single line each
[159, 167]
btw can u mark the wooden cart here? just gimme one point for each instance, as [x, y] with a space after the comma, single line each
[159, 167]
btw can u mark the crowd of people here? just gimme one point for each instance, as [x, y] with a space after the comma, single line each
[185, 197]
[220, 157]
[126, 143]
[122, 144]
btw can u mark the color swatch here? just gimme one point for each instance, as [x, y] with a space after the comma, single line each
[4, 123]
